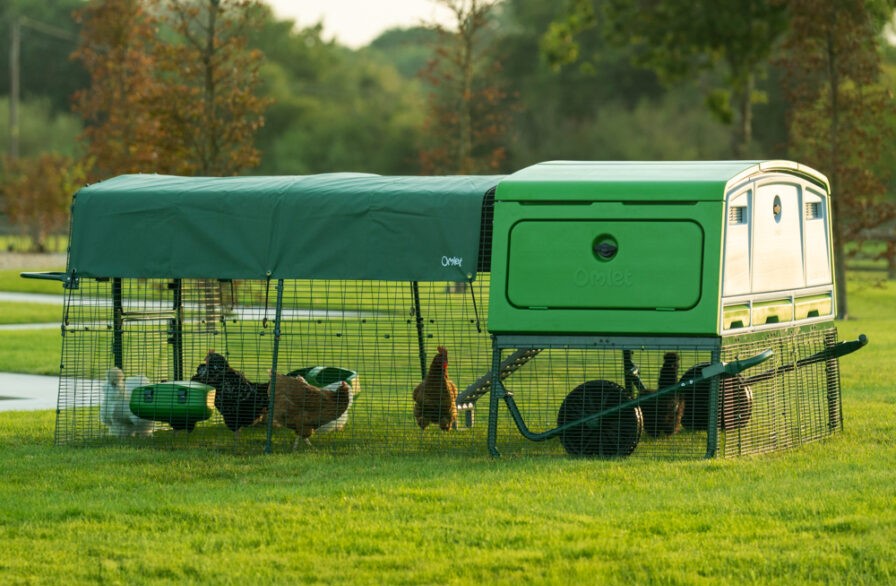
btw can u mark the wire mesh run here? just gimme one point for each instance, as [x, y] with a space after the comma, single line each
[790, 400]
[570, 381]
[139, 357]
[557, 388]
[133, 345]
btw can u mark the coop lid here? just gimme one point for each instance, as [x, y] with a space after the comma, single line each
[659, 181]
[330, 226]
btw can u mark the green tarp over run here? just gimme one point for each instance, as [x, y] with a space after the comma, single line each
[331, 226]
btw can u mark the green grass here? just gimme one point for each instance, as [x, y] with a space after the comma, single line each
[11, 280]
[29, 313]
[30, 351]
[821, 514]
[18, 243]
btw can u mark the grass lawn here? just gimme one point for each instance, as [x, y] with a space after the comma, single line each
[821, 514]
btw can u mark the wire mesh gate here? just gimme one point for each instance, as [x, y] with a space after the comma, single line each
[387, 334]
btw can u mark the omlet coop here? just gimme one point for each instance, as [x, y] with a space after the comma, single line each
[608, 309]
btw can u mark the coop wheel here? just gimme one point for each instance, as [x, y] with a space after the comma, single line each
[735, 403]
[614, 435]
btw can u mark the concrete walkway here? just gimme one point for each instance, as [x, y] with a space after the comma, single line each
[27, 392]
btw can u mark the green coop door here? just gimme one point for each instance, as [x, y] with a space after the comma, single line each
[596, 264]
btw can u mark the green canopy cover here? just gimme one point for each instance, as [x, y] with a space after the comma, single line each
[330, 226]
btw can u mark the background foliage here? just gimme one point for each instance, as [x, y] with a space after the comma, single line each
[573, 79]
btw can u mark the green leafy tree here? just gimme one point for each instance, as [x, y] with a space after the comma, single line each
[833, 61]
[47, 35]
[679, 40]
[333, 109]
[41, 129]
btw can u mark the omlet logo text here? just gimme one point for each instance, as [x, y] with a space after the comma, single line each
[610, 278]
[452, 261]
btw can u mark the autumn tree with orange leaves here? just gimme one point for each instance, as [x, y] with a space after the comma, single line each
[209, 76]
[115, 47]
[468, 113]
[172, 86]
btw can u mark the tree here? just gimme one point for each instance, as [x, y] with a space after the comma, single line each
[207, 78]
[833, 62]
[172, 86]
[115, 47]
[334, 109]
[37, 193]
[467, 117]
[47, 36]
[681, 39]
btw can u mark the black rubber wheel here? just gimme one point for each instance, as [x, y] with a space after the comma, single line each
[612, 436]
[735, 402]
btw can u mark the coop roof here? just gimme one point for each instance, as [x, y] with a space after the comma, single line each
[639, 180]
[331, 226]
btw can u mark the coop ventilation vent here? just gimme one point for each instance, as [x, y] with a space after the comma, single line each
[813, 211]
[737, 215]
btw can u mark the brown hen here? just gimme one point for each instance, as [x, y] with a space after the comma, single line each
[303, 407]
[435, 398]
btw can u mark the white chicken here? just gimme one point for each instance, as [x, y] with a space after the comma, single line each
[115, 410]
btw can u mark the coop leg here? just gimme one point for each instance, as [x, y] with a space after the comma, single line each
[496, 392]
[712, 424]
[832, 378]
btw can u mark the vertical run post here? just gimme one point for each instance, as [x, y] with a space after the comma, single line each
[272, 388]
[421, 348]
[117, 324]
[712, 420]
[496, 392]
[176, 335]
[832, 381]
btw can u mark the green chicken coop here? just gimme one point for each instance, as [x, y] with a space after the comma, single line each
[681, 309]
[643, 281]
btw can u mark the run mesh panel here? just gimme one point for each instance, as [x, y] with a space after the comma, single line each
[162, 330]
[564, 384]
[779, 404]
[788, 406]
[370, 328]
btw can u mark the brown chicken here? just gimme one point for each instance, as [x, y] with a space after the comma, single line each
[435, 399]
[302, 407]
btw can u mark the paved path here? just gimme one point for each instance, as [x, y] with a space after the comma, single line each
[27, 392]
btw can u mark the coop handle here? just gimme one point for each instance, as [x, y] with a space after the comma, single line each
[51, 276]
[736, 366]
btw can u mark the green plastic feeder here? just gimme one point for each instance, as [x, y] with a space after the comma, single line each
[324, 376]
[181, 404]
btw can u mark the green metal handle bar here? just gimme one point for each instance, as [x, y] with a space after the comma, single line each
[69, 281]
[835, 351]
[52, 276]
[720, 368]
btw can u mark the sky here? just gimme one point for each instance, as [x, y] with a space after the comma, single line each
[355, 23]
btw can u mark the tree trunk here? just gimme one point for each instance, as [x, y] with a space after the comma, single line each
[743, 135]
[834, 138]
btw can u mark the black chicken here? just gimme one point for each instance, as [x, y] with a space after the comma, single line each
[663, 415]
[240, 401]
